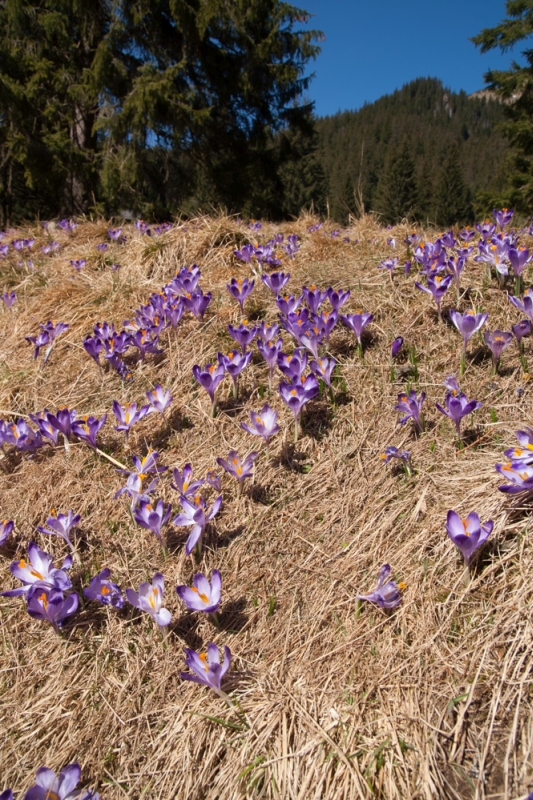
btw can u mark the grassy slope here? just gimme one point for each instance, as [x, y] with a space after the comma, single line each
[338, 705]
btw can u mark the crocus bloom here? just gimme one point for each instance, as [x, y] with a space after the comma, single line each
[314, 298]
[104, 591]
[40, 571]
[266, 333]
[411, 407]
[6, 527]
[467, 534]
[521, 329]
[323, 368]
[386, 594]
[525, 305]
[437, 287]
[50, 786]
[102, 247]
[159, 399]
[61, 526]
[202, 596]
[152, 518]
[206, 668]
[519, 475]
[20, 435]
[234, 363]
[46, 428]
[242, 335]
[458, 407]
[389, 264]
[263, 423]
[296, 394]
[87, 429]
[7, 794]
[48, 334]
[183, 482]
[114, 233]
[8, 298]
[288, 303]
[396, 346]
[337, 298]
[519, 257]
[63, 420]
[128, 416]
[93, 346]
[209, 378]
[503, 217]
[149, 599]
[194, 513]
[393, 452]
[245, 253]
[276, 281]
[197, 303]
[78, 263]
[240, 289]
[270, 352]
[467, 324]
[497, 341]
[51, 605]
[293, 366]
[357, 322]
[237, 468]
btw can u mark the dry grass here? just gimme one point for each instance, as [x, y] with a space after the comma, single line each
[431, 701]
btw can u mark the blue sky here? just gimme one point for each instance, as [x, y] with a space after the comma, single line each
[373, 47]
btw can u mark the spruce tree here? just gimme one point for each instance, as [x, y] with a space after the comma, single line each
[397, 189]
[452, 197]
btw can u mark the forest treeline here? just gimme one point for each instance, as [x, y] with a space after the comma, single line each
[423, 152]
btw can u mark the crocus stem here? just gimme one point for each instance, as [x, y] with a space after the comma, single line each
[517, 285]
[67, 445]
[225, 697]
[295, 430]
[360, 349]
[239, 489]
[213, 408]
[197, 552]
[215, 620]
[407, 469]
[466, 575]
[235, 388]
[270, 380]
[523, 362]
[332, 396]
[463, 361]
[358, 608]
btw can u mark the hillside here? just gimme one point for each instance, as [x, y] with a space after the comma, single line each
[338, 698]
[357, 147]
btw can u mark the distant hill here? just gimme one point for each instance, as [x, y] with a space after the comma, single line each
[432, 131]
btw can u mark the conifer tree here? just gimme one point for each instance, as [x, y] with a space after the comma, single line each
[452, 197]
[397, 190]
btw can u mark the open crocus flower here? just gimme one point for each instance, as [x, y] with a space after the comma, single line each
[114, 233]
[243, 335]
[237, 468]
[152, 518]
[6, 527]
[51, 605]
[240, 289]
[128, 416]
[357, 322]
[467, 324]
[388, 264]
[183, 482]
[62, 421]
[467, 534]
[245, 253]
[104, 591]
[206, 668]
[61, 526]
[149, 598]
[296, 394]
[202, 596]
[287, 303]
[314, 297]
[262, 423]
[521, 329]
[503, 217]
[234, 363]
[8, 298]
[323, 369]
[293, 366]
[393, 452]
[266, 333]
[386, 594]
[209, 378]
[457, 407]
[87, 429]
[197, 303]
[497, 341]
[39, 570]
[159, 399]
[411, 407]
[49, 786]
[47, 336]
[78, 263]
[519, 475]
[437, 287]
[194, 513]
[337, 298]
[276, 281]
[525, 305]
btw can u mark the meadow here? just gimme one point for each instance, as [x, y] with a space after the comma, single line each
[330, 695]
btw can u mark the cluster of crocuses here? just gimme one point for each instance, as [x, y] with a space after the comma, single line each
[267, 255]
[518, 470]
[49, 786]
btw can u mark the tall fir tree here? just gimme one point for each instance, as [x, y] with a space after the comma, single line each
[452, 197]
[397, 189]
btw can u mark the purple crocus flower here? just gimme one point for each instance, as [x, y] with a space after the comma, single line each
[48, 786]
[276, 281]
[270, 351]
[456, 267]
[134, 488]
[521, 329]
[197, 303]
[519, 257]
[149, 598]
[206, 668]
[61, 525]
[243, 335]
[63, 420]
[263, 423]
[7, 794]
[502, 217]
[45, 426]
[525, 305]
[411, 406]
[202, 596]
[245, 253]
[128, 416]
[8, 298]
[212, 479]
[314, 298]
[392, 452]
[6, 527]
[78, 263]
[183, 482]
[104, 591]
[114, 233]
[386, 594]
[287, 304]
[20, 435]
[467, 534]
[388, 264]
[93, 346]
[337, 298]
[357, 322]
[237, 468]
[296, 394]
[87, 429]
[519, 475]
[396, 346]
[47, 336]
[293, 366]
[323, 369]
[194, 513]
[102, 247]
[437, 287]
[458, 407]
[209, 378]
[40, 571]
[448, 239]
[159, 399]
[467, 234]
[467, 324]
[51, 605]
[266, 333]
[234, 363]
[152, 518]
[497, 341]
[240, 289]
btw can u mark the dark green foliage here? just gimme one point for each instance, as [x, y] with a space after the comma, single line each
[396, 195]
[148, 104]
[452, 196]
[515, 87]
[358, 147]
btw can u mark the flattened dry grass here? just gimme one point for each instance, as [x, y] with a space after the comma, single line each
[430, 701]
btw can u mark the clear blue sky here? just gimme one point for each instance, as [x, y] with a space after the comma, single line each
[373, 47]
